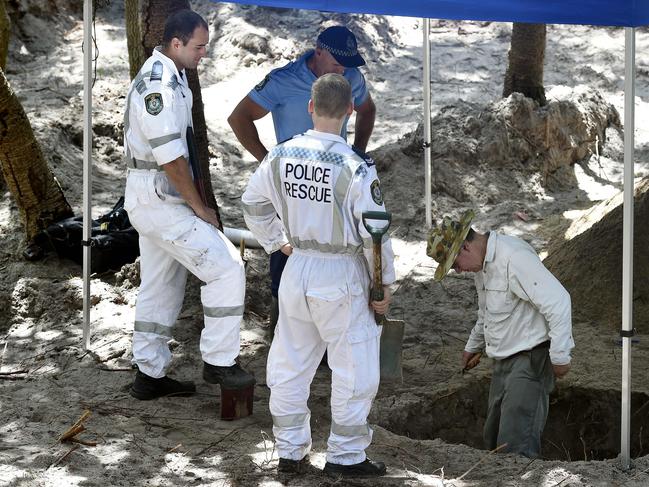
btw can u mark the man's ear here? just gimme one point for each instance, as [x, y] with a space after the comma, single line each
[310, 107]
[350, 110]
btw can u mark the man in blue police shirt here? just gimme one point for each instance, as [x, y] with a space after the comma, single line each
[285, 92]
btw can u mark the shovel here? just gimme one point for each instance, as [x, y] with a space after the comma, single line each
[392, 334]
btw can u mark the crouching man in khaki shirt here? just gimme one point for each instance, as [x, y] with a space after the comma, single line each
[524, 323]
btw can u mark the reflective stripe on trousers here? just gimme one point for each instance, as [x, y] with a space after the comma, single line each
[323, 305]
[172, 241]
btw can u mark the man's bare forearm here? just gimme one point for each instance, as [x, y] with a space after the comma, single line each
[242, 121]
[248, 136]
[365, 117]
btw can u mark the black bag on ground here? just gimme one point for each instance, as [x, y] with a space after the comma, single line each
[114, 241]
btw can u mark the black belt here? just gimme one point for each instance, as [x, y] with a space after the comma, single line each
[545, 344]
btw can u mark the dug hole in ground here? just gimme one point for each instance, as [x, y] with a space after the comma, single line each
[550, 175]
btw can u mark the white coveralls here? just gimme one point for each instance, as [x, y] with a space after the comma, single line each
[172, 238]
[320, 187]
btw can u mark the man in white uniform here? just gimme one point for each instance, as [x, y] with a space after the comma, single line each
[178, 232]
[524, 324]
[285, 93]
[319, 186]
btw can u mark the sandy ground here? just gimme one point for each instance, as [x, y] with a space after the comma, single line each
[427, 430]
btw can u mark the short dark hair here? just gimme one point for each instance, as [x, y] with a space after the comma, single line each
[470, 236]
[182, 25]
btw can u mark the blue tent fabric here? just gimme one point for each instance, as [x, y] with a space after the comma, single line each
[626, 13]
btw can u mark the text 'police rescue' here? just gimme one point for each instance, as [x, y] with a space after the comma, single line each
[314, 174]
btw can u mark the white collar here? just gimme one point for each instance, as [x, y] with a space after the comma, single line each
[157, 53]
[325, 135]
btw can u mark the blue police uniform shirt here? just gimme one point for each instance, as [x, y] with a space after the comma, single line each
[285, 92]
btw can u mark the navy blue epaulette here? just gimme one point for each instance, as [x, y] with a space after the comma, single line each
[368, 160]
[156, 72]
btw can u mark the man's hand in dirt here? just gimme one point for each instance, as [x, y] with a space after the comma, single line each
[381, 307]
[470, 360]
[286, 249]
[560, 370]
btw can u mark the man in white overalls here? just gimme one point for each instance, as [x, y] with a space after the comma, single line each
[178, 232]
[320, 187]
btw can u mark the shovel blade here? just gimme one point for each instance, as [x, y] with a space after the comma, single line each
[391, 350]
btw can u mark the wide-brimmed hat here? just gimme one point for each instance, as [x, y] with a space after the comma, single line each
[341, 44]
[445, 241]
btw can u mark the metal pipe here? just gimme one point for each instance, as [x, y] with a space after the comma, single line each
[87, 164]
[627, 242]
[235, 235]
[427, 158]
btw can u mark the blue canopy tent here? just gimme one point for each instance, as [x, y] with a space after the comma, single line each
[623, 13]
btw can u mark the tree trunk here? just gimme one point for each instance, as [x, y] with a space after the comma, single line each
[134, 43]
[37, 193]
[526, 55]
[5, 31]
[145, 20]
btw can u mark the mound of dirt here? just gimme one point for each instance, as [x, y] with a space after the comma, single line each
[516, 133]
[589, 264]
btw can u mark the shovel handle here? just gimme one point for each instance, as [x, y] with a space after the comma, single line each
[377, 233]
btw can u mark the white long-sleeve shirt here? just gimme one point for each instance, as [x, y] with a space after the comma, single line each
[320, 188]
[521, 304]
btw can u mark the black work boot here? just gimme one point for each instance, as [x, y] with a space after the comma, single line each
[146, 387]
[368, 468]
[293, 466]
[274, 315]
[232, 377]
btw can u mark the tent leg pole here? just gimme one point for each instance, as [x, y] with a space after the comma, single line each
[427, 128]
[627, 242]
[87, 163]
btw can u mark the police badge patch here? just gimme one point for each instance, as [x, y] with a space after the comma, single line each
[153, 103]
[375, 188]
[260, 86]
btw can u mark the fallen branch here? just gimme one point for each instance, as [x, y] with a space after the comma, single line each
[13, 377]
[481, 460]
[14, 372]
[116, 354]
[120, 369]
[74, 447]
[76, 428]
[211, 445]
[179, 445]
[82, 442]
[453, 336]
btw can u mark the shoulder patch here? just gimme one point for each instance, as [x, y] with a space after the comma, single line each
[153, 103]
[156, 72]
[375, 189]
[262, 83]
[368, 160]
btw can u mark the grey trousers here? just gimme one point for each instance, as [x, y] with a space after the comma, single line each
[518, 402]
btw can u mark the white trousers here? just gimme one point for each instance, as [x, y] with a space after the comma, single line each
[174, 240]
[323, 304]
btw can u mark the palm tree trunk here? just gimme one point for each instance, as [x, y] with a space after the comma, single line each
[38, 194]
[145, 20]
[525, 69]
[5, 31]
